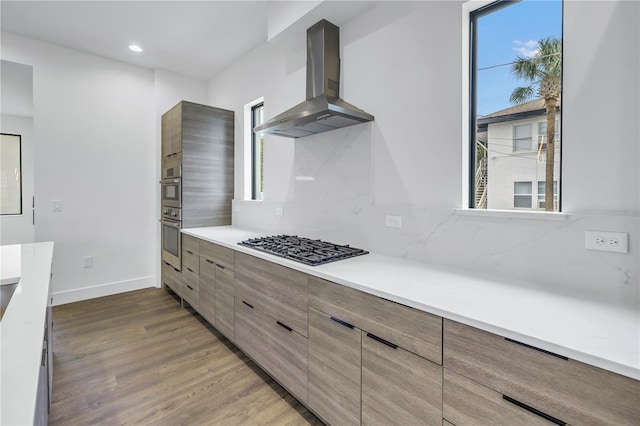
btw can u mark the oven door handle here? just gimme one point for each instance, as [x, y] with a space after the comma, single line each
[171, 224]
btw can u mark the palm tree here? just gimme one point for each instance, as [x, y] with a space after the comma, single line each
[543, 71]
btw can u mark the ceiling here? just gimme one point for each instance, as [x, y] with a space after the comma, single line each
[193, 38]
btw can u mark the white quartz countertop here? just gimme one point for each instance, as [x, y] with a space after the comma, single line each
[599, 334]
[22, 333]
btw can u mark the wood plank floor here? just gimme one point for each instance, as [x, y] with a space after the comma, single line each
[139, 358]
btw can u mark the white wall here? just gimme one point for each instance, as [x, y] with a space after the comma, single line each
[96, 131]
[402, 62]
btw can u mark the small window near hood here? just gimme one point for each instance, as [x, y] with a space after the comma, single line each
[257, 153]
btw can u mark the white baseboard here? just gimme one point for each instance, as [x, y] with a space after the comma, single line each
[85, 293]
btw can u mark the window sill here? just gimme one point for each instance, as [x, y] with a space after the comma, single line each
[513, 214]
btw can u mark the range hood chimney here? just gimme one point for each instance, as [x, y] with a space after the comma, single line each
[323, 110]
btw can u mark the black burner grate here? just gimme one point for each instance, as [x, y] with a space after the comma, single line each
[304, 250]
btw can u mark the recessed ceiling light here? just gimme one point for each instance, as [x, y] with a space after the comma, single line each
[135, 48]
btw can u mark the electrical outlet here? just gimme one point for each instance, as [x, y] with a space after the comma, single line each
[87, 262]
[617, 242]
[279, 211]
[57, 205]
[393, 221]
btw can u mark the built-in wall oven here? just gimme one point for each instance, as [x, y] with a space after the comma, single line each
[171, 224]
[171, 192]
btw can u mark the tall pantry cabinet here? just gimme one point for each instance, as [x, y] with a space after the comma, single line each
[197, 177]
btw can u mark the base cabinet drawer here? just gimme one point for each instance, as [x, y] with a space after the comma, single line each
[278, 349]
[191, 289]
[171, 278]
[467, 403]
[335, 360]
[220, 255]
[190, 250]
[568, 390]
[398, 387]
[225, 297]
[417, 331]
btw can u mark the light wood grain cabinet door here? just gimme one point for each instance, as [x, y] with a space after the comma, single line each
[191, 289]
[568, 390]
[334, 369]
[398, 387]
[277, 348]
[175, 117]
[274, 290]
[467, 403]
[165, 127]
[225, 292]
[208, 283]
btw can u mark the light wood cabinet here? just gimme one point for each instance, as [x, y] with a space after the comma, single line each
[334, 369]
[414, 330]
[171, 278]
[191, 289]
[467, 403]
[277, 348]
[198, 147]
[568, 390]
[275, 290]
[225, 300]
[171, 127]
[217, 287]
[208, 289]
[398, 387]
[191, 253]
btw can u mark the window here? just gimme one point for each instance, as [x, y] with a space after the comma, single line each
[542, 134]
[515, 77]
[522, 138]
[253, 151]
[10, 174]
[541, 194]
[522, 195]
[257, 157]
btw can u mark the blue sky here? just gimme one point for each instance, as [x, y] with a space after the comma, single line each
[504, 35]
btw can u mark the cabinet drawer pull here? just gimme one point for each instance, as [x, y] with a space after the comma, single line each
[533, 410]
[219, 266]
[286, 327]
[381, 340]
[189, 269]
[189, 287]
[210, 261]
[248, 304]
[339, 321]
[536, 349]
[43, 360]
[189, 251]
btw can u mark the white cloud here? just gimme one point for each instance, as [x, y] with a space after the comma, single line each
[527, 49]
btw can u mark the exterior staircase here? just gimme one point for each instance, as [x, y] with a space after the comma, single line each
[481, 185]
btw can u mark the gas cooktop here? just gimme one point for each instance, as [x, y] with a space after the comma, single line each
[304, 250]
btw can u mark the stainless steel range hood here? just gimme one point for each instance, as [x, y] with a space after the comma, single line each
[323, 110]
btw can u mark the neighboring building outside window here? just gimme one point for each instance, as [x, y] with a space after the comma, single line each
[508, 106]
[522, 195]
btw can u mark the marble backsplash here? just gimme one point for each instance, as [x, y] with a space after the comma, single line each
[330, 195]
